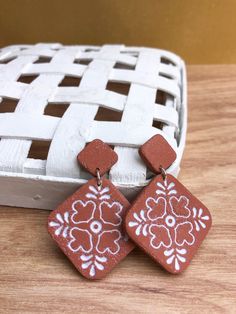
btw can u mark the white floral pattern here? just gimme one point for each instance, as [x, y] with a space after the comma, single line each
[61, 224]
[93, 262]
[169, 224]
[92, 229]
[200, 221]
[175, 256]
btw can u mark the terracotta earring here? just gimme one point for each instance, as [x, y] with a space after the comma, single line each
[88, 226]
[166, 220]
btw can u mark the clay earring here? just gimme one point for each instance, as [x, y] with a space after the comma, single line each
[88, 226]
[166, 220]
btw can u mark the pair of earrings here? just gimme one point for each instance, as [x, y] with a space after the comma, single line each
[96, 227]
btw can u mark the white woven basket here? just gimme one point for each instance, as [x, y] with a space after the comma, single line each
[122, 95]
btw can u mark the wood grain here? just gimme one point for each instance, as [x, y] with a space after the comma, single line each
[35, 277]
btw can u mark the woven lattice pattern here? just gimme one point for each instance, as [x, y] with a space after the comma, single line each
[122, 95]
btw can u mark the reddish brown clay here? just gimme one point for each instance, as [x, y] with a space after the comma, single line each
[157, 153]
[88, 227]
[168, 223]
[97, 155]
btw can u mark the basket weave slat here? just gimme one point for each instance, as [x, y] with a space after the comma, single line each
[141, 90]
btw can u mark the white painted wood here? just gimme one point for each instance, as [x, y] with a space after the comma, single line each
[77, 122]
[146, 79]
[137, 119]
[126, 135]
[74, 70]
[43, 192]
[92, 96]
[44, 183]
[25, 126]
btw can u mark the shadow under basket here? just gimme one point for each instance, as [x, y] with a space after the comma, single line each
[55, 99]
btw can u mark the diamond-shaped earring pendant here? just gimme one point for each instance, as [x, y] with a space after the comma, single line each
[88, 226]
[166, 220]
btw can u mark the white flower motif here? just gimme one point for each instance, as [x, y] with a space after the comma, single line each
[92, 226]
[199, 219]
[96, 227]
[158, 222]
[184, 228]
[98, 193]
[175, 256]
[93, 262]
[160, 236]
[181, 202]
[85, 243]
[166, 189]
[61, 224]
[140, 223]
[156, 207]
[170, 223]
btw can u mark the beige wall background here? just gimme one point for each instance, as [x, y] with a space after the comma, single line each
[201, 31]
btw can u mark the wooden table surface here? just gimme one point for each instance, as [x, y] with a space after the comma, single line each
[36, 277]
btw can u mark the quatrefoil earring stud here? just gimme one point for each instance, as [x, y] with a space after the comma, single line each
[166, 220]
[88, 226]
